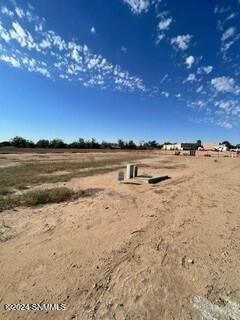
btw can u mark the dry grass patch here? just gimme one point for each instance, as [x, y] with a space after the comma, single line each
[46, 196]
[55, 195]
[34, 173]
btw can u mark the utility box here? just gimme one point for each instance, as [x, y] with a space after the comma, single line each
[130, 171]
[135, 171]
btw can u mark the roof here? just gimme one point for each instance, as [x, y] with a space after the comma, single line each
[189, 146]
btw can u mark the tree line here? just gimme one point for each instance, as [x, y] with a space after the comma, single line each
[81, 143]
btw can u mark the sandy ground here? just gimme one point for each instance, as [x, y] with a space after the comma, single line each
[132, 251]
[7, 160]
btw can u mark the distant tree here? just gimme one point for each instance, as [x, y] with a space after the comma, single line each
[57, 143]
[43, 143]
[121, 144]
[30, 144]
[73, 145]
[81, 143]
[94, 144]
[87, 144]
[199, 143]
[131, 145]
[141, 144]
[19, 142]
[153, 144]
[106, 145]
[5, 144]
[228, 144]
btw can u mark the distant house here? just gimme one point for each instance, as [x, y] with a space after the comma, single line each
[222, 147]
[189, 146]
[180, 146]
[172, 146]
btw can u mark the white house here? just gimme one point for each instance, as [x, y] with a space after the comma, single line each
[222, 147]
[172, 146]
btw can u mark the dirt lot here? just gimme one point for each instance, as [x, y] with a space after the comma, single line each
[130, 251]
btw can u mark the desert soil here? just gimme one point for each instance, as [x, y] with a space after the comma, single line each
[131, 251]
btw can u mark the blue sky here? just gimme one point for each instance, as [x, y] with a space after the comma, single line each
[131, 69]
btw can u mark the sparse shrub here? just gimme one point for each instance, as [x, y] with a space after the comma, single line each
[4, 191]
[55, 195]
[8, 202]
[38, 197]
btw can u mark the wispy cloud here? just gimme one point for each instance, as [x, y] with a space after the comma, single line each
[205, 70]
[224, 84]
[191, 77]
[229, 33]
[163, 25]
[11, 60]
[45, 52]
[165, 94]
[6, 11]
[229, 38]
[164, 78]
[225, 124]
[181, 42]
[138, 6]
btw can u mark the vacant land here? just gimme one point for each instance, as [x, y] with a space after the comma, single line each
[73, 234]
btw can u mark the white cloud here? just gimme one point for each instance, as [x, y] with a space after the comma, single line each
[4, 34]
[19, 30]
[138, 6]
[205, 70]
[165, 94]
[199, 103]
[19, 12]
[44, 52]
[224, 105]
[236, 111]
[181, 42]
[11, 60]
[191, 77]
[231, 16]
[229, 107]
[23, 38]
[93, 31]
[208, 69]
[229, 37]
[165, 23]
[223, 84]
[6, 11]
[225, 124]
[160, 37]
[76, 56]
[199, 89]
[28, 63]
[228, 33]
[190, 61]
